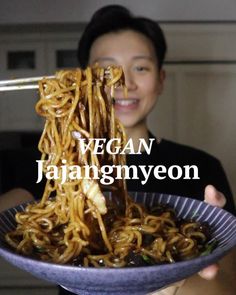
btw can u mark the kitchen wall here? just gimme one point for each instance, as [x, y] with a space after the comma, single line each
[70, 11]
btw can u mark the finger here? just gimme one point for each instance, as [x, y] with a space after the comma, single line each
[213, 197]
[210, 272]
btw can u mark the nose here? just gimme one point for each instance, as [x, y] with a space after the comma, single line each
[129, 80]
[130, 84]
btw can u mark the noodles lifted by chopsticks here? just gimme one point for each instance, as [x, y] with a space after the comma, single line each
[73, 223]
[68, 217]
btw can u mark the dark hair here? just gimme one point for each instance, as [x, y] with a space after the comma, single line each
[114, 18]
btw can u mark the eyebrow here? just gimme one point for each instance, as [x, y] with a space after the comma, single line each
[137, 57]
[104, 59]
[143, 57]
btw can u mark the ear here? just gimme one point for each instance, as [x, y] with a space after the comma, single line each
[162, 77]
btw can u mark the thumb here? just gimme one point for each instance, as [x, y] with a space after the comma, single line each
[213, 197]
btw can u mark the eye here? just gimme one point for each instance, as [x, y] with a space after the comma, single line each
[141, 68]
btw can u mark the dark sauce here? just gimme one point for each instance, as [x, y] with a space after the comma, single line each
[136, 257]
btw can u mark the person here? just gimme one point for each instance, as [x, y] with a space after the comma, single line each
[115, 36]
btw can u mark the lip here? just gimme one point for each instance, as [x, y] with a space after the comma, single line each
[126, 104]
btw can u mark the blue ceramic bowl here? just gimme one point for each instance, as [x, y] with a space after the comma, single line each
[131, 280]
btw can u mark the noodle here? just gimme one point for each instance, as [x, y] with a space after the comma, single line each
[73, 222]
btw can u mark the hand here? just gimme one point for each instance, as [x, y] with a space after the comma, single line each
[14, 197]
[215, 198]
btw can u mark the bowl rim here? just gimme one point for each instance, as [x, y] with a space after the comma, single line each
[204, 258]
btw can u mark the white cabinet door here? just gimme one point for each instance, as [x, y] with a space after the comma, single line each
[22, 58]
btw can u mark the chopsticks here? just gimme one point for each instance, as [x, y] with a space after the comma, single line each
[22, 83]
